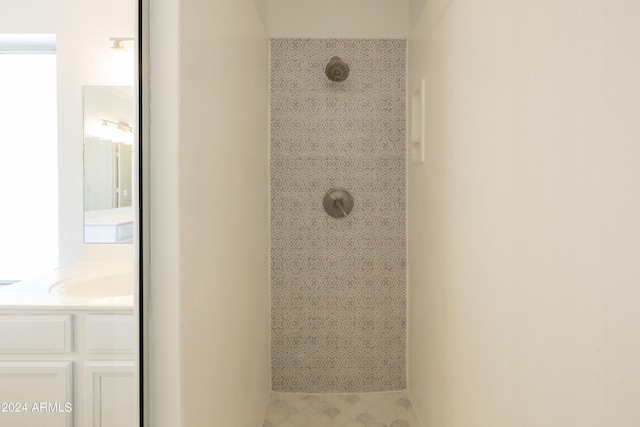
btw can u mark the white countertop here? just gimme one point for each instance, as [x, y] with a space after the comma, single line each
[34, 293]
[113, 216]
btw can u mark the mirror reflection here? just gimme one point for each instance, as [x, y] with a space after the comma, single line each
[108, 156]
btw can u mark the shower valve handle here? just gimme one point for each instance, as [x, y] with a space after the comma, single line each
[338, 202]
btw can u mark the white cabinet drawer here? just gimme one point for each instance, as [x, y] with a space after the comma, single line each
[36, 333]
[109, 333]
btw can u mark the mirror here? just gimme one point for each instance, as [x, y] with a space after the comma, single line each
[108, 156]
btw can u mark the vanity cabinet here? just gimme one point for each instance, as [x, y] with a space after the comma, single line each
[67, 368]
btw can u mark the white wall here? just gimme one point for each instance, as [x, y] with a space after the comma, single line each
[261, 8]
[356, 19]
[523, 222]
[82, 29]
[209, 243]
[162, 259]
[415, 10]
[224, 213]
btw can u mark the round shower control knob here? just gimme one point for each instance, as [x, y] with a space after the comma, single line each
[338, 202]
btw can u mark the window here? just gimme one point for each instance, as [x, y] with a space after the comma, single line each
[28, 157]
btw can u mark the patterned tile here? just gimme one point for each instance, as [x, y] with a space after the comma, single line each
[338, 285]
[340, 410]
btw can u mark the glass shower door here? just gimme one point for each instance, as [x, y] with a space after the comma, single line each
[68, 306]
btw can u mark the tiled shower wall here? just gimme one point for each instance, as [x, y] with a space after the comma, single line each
[338, 285]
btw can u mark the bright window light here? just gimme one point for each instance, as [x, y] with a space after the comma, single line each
[28, 165]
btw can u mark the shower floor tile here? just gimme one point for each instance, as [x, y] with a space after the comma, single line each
[389, 409]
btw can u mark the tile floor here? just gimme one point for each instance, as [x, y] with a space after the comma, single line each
[388, 409]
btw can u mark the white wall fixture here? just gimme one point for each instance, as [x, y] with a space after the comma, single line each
[121, 61]
[416, 143]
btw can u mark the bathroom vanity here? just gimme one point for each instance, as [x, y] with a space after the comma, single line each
[67, 351]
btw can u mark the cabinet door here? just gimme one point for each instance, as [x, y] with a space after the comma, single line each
[109, 394]
[36, 394]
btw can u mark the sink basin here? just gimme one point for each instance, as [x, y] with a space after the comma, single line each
[95, 285]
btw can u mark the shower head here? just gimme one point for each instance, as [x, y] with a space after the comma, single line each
[337, 70]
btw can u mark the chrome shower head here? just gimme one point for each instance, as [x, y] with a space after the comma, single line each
[337, 70]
